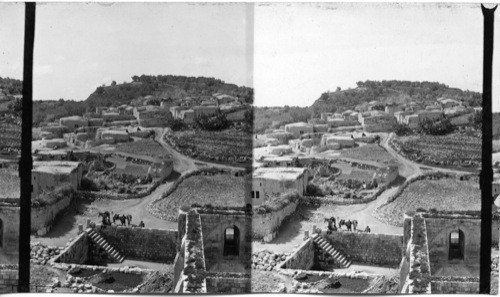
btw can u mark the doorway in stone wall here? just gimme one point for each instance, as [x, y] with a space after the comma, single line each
[231, 241]
[457, 245]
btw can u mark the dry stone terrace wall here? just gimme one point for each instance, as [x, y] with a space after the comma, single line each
[267, 224]
[9, 277]
[77, 252]
[369, 248]
[142, 243]
[42, 217]
[302, 258]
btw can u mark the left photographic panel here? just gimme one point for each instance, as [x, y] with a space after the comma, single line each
[11, 89]
[142, 148]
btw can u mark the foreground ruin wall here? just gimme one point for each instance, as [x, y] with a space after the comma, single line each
[214, 226]
[9, 250]
[454, 285]
[142, 243]
[42, 217]
[302, 258]
[9, 277]
[232, 283]
[369, 248]
[267, 224]
[438, 236]
[77, 252]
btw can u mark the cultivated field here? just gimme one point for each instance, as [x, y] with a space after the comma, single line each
[230, 146]
[444, 194]
[217, 190]
[369, 152]
[124, 167]
[143, 147]
[454, 150]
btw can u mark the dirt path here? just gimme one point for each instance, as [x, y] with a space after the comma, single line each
[66, 225]
[410, 166]
[185, 162]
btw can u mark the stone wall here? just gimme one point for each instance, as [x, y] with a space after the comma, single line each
[454, 285]
[231, 283]
[438, 236]
[9, 248]
[77, 252]
[42, 217]
[142, 243]
[9, 277]
[302, 258]
[214, 226]
[264, 225]
[369, 248]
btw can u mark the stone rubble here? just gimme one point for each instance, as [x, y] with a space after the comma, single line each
[266, 260]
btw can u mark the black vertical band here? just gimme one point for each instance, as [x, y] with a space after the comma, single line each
[486, 170]
[25, 164]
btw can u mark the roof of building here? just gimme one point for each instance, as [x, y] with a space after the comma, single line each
[73, 118]
[299, 124]
[279, 173]
[55, 167]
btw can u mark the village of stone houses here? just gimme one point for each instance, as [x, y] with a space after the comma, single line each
[172, 184]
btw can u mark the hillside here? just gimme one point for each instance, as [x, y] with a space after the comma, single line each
[392, 91]
[161, 86]
[164, 86]
[10, 115]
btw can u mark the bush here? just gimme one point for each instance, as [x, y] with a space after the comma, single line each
[314, 190]
[217, 122]
[442, 127]
[401, 129]
[177, 124]
[88, 185]
[51, 197]
[277, 203]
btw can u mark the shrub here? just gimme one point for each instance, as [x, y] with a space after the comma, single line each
[51, 197]
[277, 203]
[212, 123]
[88, 185]
[314, 190]
[401, 129]
[442, 127]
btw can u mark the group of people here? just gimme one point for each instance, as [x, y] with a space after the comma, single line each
[123, 219]
[350, 225]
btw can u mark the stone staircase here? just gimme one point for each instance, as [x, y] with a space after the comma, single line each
[100, 241]
[327, 247]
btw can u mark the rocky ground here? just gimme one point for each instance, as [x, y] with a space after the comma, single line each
[266, 260]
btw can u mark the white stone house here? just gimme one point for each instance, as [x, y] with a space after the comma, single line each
[48, 175]
[267, 182]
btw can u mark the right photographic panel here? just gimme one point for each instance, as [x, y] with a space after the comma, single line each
[368, 128]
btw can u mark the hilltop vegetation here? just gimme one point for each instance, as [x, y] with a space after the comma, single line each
[386, 92]
[392, 91]
[273, 117]
[164, 86]
[169, 87]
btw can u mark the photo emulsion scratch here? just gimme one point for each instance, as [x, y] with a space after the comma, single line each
[237, 148]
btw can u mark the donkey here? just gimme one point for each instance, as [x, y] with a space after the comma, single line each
[105, 217]
[123, 218]
[129, 219]
[116, 217]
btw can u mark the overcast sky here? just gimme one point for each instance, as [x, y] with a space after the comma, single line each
[300, 50]
[303, 50]
[80, 46]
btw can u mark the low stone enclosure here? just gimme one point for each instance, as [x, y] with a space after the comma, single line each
[436, 243]
[323, 255]
[213, 236]
[87, 254]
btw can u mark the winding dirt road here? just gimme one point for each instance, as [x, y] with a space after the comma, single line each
[66, 226]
